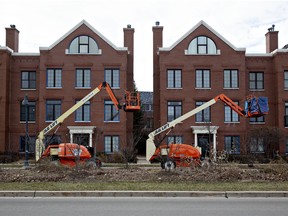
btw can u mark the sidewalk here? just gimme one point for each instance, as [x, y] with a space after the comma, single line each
[224, 194]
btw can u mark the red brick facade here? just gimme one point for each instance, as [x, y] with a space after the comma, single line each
[272, 65]
[58, 56]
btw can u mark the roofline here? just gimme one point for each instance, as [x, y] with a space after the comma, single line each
[93, 29]
[267, 54]
[6, 48]
[258, 55]
[25, 54]
[280, 51]
[193, 29]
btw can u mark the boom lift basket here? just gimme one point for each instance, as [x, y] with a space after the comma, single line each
[132, 101]
[256, 107]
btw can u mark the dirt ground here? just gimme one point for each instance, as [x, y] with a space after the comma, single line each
[212, 173]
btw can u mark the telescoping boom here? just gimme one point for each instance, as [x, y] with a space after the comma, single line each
[251, 110]
[132, 103]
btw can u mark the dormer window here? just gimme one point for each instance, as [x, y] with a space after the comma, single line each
[202, 45]
[83, 45]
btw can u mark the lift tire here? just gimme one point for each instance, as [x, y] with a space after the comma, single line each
[93, 163]
[55, 163]
[169, 165]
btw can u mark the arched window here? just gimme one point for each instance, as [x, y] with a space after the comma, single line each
[83, 44]
[202, 45]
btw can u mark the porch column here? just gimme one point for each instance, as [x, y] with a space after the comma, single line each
[90, 139]
[204, 130]
[71, 137]
[81, 130]
[214, 146]
[195, 139]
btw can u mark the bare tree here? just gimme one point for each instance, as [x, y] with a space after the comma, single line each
[263, 140]
[129, 152]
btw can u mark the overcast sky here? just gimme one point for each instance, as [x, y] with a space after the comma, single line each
[242, 22]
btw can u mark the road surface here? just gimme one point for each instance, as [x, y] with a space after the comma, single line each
[142, 206]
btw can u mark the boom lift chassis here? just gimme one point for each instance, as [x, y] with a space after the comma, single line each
[183, 154]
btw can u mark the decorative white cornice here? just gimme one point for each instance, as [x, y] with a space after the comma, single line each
[25, 54]
[204, 129]
[6, 48]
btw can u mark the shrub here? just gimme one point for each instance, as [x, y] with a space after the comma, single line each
[8, 157]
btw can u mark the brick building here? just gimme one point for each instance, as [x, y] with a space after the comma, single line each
[55, 79]
[203, 64]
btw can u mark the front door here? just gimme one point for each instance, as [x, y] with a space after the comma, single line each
[82, 139]
[203, 142]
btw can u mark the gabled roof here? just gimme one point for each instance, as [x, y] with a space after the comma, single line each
[193, 29]
[84, 22]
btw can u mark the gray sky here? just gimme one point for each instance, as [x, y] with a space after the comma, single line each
[242, 22]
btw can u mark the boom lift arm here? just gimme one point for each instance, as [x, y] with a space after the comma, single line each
[150, 143]
[40, 140]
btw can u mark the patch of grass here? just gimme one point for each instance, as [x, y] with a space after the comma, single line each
[146, 186]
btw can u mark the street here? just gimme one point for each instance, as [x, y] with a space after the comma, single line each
[142, 206]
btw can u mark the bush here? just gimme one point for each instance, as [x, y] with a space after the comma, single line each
[8, 157]
[115, 157]
[242, 159]
[249, 159]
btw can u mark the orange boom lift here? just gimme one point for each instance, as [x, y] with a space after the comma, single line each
[173, 155]
[69, 153]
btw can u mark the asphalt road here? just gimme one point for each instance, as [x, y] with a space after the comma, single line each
[137, 206]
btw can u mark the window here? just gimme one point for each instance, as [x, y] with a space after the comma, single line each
[28, 80]
[174, 110]
[31, 111]
[257, 145]
[82, 114]
[54, 78]
[110, 112]
[259, 120]
[83, 78]
[174, 139]
[286, 115]
[231, 79]
[202, 78]
[286, 80]
[174, 78]
[52, 139]
[202, 45]
[31, 140]
[256, 80]
[204, 115]
[147, 107]
[111, 143]
[230, 115]
[83, 44]
[112, 76]
[53, 109]
[232, 144]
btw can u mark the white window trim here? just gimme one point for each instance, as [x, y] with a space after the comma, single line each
[174, 88]
[99, 53]
[218, 53]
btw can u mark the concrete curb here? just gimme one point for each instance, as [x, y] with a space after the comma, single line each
[224, 194]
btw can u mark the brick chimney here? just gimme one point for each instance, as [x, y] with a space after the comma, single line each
[271, 40]
[129, 43]
[157, 43]
[12, 38]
